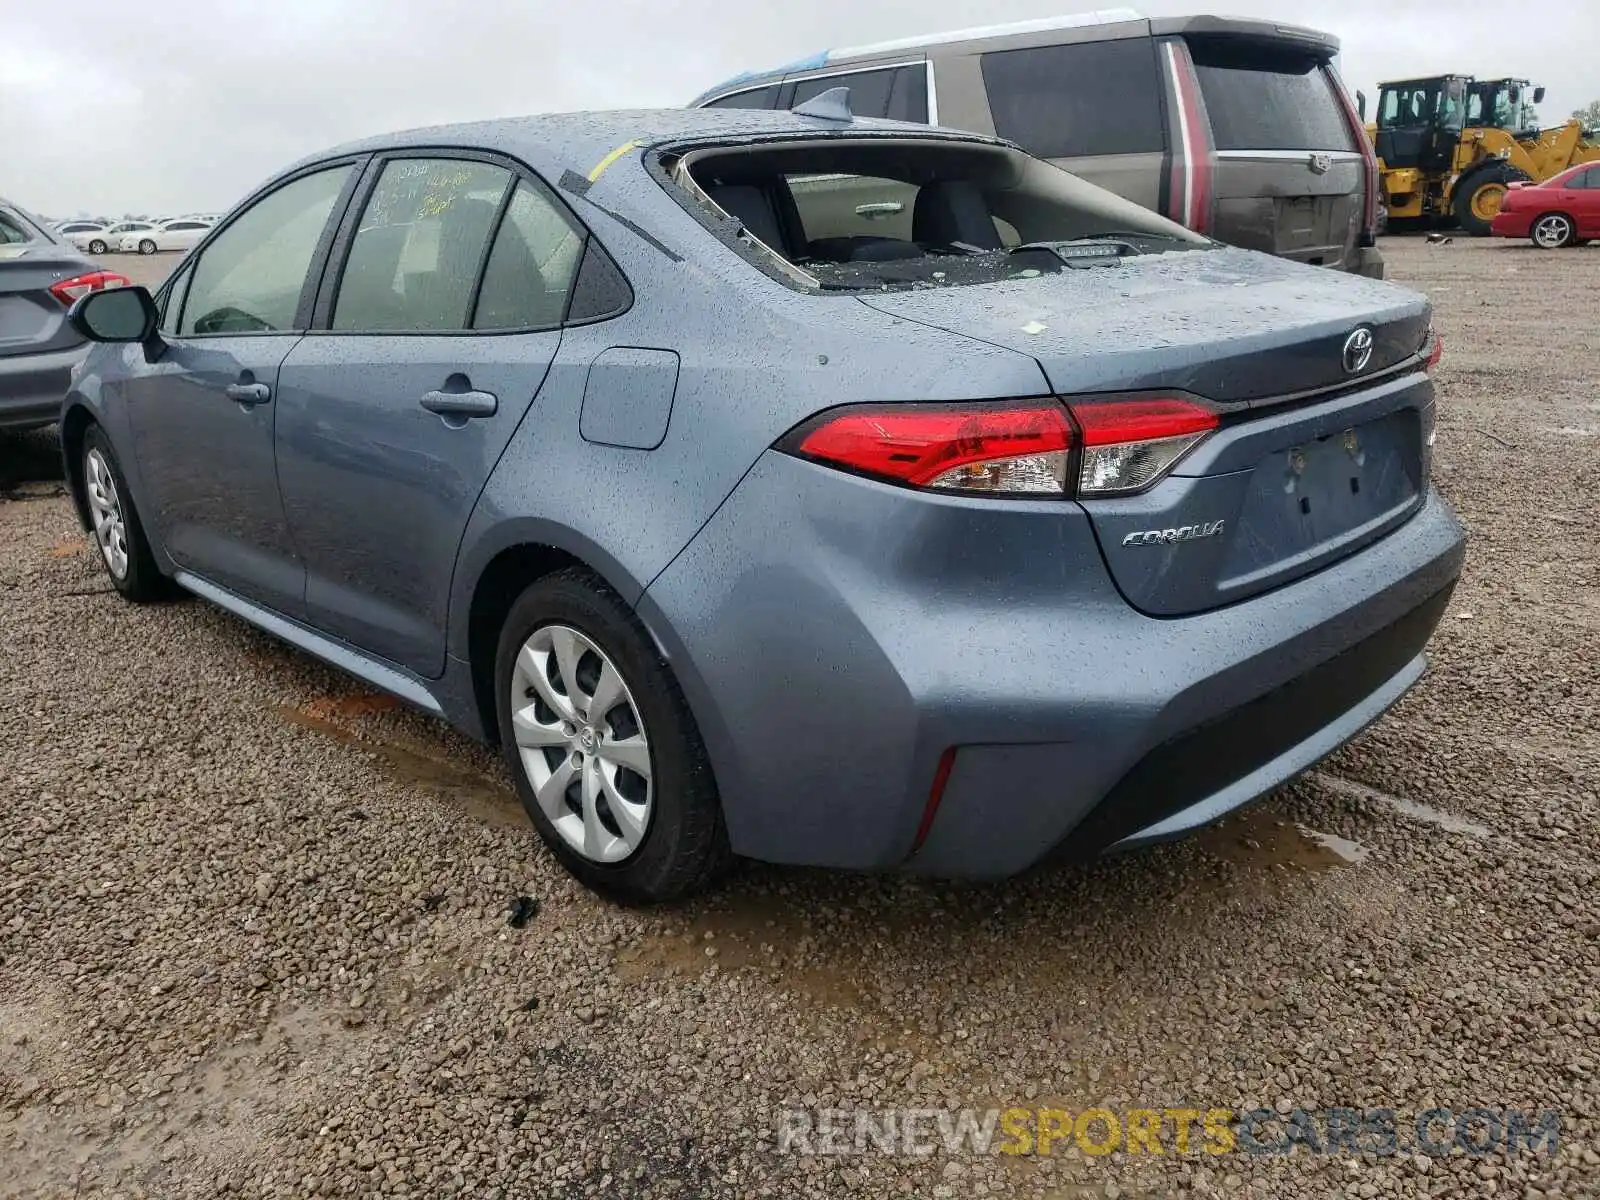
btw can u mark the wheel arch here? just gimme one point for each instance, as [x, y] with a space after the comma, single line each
[75, 424]
[496, 572]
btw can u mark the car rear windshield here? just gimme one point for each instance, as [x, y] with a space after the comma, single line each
[904, 212]
[1262, 97]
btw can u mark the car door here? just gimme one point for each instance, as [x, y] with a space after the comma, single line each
[202, 411]
[1584, 190]
[440, 316]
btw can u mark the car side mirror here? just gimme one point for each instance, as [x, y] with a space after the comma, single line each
[1361, 103]
[1538, 95]
[124, 314]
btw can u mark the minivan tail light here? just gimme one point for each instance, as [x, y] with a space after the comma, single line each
[1015, 449]
[1129, 444]
[71, 290]
[1087, 448]
[1369, 159]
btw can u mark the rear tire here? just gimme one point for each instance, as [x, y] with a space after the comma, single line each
[1478, 198]
[1553, 231]
[117, 531]
[97, 247]
[146, 246]
[562, 637]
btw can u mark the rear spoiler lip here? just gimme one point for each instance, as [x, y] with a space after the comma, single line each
[1298, 37]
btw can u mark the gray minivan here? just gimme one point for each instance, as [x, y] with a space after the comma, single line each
[1238, 129]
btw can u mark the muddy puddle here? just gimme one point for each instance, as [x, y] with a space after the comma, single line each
[1259, 838]
[481, 796]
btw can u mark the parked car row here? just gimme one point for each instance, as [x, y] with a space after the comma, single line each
[135, 237]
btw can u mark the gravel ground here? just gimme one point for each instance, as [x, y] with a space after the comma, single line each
[254, 936]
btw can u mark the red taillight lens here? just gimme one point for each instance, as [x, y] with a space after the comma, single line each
[1023, 448]
[1435, 348]
[1130, 444]
[996, 448]
[79, 286]
[1369, 160]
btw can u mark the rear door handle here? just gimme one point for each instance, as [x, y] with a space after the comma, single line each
[461, 404]
[248, 393]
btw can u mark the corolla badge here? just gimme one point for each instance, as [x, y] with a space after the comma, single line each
[1357, 351]
[1170, 537]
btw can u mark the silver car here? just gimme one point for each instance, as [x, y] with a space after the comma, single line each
[41, 275]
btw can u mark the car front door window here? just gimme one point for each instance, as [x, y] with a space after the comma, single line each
[250, 278]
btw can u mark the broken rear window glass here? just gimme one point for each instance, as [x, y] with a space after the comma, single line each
[874, 212]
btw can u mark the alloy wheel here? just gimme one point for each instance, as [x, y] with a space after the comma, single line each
[105, 511]
[1552, 232]
[582, 742]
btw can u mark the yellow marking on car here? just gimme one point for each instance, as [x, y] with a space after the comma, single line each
[600, 167]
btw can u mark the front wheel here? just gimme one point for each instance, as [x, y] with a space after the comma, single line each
[1553, 231]
[146, 246]
[1479, 198]
[118, 532]
[605, 754]
[97, 246]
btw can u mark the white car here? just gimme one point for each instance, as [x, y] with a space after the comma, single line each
[85, 235]
[118, 234]
[181, 234]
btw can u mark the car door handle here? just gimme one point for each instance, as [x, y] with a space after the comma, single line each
[882, 208]
[461, 404]
[248, 393]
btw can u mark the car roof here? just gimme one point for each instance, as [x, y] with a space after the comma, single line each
[582, 141]
[1034, 32]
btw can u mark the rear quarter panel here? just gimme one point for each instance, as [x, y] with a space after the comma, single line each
[755, 358]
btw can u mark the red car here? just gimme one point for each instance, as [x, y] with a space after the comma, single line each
[1564, 210]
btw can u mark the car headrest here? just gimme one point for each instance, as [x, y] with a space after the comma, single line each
[753, 208]
[950, 211]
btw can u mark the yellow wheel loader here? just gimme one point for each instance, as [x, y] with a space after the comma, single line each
[1449, 146]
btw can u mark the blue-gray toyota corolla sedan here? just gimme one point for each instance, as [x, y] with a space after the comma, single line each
[989, 518]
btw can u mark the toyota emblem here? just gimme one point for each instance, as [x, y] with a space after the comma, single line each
[1357, 351]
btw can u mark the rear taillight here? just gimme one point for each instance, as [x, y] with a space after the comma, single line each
[1369, 160]
[1129, 444]
[1434, 348]
[79, 286]
[1031, 448]
[970, 448]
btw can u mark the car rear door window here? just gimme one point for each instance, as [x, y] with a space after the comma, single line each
[1077, 100]
[11, 231]
[897, 93]
[419, 247]
[250, 278]
[766, 97]
[1585, 179]
[531, 266]
[1262, 99]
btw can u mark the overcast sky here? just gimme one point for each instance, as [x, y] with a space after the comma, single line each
[180, 105]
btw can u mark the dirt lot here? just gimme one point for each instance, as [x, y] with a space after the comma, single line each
[254, 936]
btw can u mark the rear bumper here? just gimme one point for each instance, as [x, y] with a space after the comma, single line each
[836, 637]
[32, 386]
[1368, 261]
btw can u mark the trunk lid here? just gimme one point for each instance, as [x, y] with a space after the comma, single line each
[32, 320]
[1310, 463]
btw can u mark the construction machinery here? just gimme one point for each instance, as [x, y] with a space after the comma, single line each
[1450, 145]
